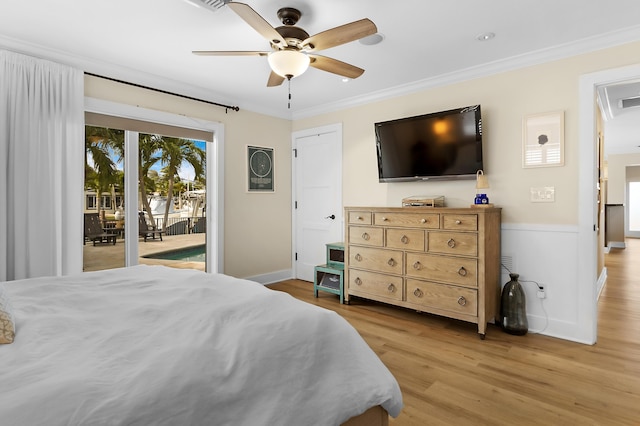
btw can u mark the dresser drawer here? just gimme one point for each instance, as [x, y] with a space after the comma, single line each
[441, 296]
[460, 222]
[464, 244]
[451, 270]
[359, 218]
[381, 260]
[409, 239]
[376, 284]
[366, 235]
[413, 220]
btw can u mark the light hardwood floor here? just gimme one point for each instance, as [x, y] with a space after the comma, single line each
[449, 376]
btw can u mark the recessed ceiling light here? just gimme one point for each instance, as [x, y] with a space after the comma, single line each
[372, 39]
[485, 36]
[345, 80]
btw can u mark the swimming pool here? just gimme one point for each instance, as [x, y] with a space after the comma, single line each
[189, 254]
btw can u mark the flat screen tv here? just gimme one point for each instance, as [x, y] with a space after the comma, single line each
[440, 145]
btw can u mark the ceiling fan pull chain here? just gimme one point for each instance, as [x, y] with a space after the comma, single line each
[289, 84]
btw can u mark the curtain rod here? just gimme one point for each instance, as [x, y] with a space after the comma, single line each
[226, 107]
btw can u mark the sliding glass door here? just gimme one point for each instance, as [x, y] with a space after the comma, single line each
[146, 196]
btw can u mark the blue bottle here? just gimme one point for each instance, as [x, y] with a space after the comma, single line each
[481, 199]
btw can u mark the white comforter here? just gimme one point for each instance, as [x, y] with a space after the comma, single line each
[150, 345]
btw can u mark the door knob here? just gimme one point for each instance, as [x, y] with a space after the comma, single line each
[333, 216]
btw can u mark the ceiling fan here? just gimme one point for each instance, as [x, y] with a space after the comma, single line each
[292, 49]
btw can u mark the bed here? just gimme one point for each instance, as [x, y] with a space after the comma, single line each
[154, 345]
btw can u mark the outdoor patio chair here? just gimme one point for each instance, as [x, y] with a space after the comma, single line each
[145, 230]
[93, 230]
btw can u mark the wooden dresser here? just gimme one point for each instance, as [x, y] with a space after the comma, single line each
[440, 260]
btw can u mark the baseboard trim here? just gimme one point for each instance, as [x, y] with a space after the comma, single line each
[272, 277]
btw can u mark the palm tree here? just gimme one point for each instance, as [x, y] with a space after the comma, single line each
[148, 150]
[99, 143]
[175, 151]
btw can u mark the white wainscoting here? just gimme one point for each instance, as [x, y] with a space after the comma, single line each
[548, 255]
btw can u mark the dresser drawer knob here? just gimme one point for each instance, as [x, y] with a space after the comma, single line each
[358, 257]
[417, 266]
[462, 271]
[423, 220]
[404, 239]
[462, 301]
[365, 236]
[358, 217]
[391, 288]
[418, 293]
[451, 243]
[358, 281]
[458, 222]
[384, 219]
[392, 262]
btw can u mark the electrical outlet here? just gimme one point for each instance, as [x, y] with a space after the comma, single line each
[541, 293]
[543, 194]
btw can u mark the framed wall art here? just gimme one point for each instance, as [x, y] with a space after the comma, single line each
[543, 140]
[260, 167]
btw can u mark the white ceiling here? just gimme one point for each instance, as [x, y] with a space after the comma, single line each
[149, 42]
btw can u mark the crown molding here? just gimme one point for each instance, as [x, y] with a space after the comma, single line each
[615, 38]
[586, 45]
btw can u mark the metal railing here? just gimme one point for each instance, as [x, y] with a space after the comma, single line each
[182, 225]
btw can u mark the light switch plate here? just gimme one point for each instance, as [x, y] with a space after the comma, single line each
[543, 194]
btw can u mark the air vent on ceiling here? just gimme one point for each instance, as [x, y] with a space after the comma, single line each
[629, 102]
[209, 4]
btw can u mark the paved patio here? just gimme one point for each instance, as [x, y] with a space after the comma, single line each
[108, 256]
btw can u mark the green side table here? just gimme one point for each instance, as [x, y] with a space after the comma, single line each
[329, 278]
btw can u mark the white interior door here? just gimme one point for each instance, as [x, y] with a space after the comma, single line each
[317, 196]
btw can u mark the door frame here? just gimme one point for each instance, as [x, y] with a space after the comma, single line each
[330, 128]
[214, 172]
[587, 199]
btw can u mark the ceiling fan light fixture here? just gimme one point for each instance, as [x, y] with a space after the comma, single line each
[288, 63]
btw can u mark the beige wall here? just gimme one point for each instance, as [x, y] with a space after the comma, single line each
[257, 226]
[505, 98]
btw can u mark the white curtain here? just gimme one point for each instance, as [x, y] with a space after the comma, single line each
[41, 167]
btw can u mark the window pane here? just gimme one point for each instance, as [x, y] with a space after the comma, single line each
[104, 181]
[634, 206]
[90, 203]
[173, 203]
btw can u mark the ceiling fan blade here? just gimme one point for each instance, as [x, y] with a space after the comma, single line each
[335, 66]
[258, 23]
[229, 53]
[340, 35]
[275, 80]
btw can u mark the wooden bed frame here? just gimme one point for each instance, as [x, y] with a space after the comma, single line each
[374, 416]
